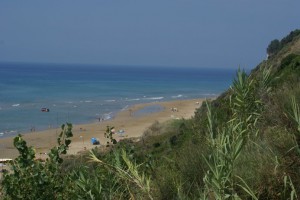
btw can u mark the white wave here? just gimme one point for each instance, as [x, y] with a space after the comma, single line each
[8, 132]
[177, 96]
[125, 108]
[70, 102]
[107, 116]
[16, 105]
[88, 101]
[12, 131]
[110, 100]
[137, 99]
[209, 94]
[154, 98]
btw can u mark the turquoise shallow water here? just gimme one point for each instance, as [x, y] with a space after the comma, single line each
[148, 109]
[81, 94]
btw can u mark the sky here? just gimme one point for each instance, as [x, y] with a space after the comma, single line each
[181, 33]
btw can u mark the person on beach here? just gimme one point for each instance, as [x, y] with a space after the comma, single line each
[32, 129]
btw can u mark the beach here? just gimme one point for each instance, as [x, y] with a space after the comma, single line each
[133, 121]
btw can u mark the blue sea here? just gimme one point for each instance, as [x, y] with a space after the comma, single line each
[83, 94]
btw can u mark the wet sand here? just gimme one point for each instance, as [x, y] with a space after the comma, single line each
[133, 126]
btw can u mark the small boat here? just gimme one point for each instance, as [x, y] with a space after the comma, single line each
[45, 109]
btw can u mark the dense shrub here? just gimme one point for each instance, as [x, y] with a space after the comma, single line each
[275, 45]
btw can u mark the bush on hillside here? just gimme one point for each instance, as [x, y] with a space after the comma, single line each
[275, 45]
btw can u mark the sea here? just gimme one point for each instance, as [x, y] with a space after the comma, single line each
[86, 93]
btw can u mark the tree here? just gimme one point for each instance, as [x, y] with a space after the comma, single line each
[273, 47]
[34, 179]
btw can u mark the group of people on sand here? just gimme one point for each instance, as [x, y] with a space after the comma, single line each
[32, 129]
[100, 119]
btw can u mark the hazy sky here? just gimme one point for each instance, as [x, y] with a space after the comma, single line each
[200, 33]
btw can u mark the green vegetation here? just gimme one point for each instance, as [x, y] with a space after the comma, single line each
[243, 145]
[275, 45]
[33, 179]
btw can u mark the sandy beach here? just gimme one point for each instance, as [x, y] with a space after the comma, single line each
[133, 126]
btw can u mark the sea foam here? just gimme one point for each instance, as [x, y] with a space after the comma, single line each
[177, 96]
[154, 98]
[110, 100]
[137, 99]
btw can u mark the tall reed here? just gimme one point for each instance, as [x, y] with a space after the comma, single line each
[227, 142]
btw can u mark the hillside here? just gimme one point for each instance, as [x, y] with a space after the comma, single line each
[274, 84]
[269, 156]
[243, 145]
[289, 45]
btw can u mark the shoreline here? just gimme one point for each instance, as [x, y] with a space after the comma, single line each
[133, 126]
